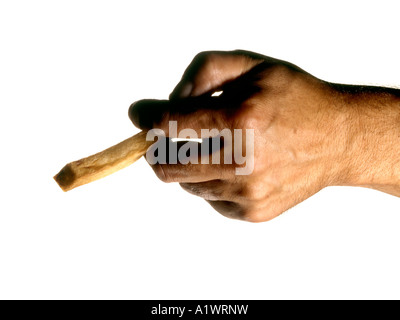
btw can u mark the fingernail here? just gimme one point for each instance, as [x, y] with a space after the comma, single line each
[182, 91]
[186, 90]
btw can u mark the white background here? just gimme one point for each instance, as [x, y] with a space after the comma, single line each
[68, 73]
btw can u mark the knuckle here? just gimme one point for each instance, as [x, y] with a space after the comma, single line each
[248, 119]
[254, 191]
[249, 54]
[280, 76]
[255, 215]
[280, 70]
[248, 114]
[241, 52]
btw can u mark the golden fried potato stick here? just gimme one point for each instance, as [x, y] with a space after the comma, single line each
[104, 163]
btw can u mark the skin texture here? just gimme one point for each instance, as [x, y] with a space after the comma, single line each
[309, 134]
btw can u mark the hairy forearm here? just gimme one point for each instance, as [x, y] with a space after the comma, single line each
[373, 139]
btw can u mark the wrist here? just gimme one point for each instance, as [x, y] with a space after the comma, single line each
[372, 156]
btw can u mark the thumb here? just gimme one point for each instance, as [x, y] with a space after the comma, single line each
[195, 114]
[209, 70]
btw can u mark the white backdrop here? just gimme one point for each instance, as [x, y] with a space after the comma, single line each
[68, 73]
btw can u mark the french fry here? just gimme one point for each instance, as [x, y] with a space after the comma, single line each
[104, 163]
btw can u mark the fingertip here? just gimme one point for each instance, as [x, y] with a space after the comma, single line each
[140, 113]
[181, 91]
[145, 113]
[133, 115]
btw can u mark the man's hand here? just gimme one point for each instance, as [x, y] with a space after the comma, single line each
[308, 134]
